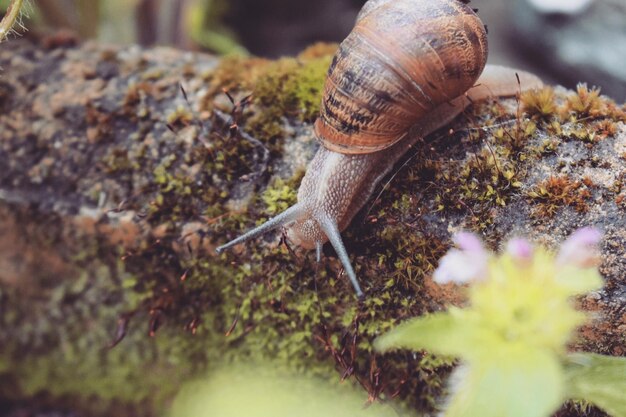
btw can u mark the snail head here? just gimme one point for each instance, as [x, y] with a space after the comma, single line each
[306, 229]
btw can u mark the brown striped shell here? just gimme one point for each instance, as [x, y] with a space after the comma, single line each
[402, 59]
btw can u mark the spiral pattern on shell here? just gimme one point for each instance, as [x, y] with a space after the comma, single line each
[402, 59]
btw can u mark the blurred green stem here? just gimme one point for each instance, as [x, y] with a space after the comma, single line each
[89, 12]
[203, 24]
[7, 22]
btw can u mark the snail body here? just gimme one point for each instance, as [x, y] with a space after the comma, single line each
[407, 68]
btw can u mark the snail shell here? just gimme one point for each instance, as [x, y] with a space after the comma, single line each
[401, 60]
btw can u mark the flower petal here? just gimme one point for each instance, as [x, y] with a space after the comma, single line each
[581, 248]
[461, 267]
[467, 241]
[520, 249]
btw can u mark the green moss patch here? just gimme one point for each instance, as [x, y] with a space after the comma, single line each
[289, 88]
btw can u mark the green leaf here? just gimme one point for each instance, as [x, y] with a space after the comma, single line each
[268, 391]
[443, 333]
[517, 382]
[578, 280]
[599, 379]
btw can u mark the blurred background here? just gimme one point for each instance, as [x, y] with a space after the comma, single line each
[564, 41]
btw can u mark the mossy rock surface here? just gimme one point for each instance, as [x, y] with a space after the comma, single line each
[115, 192]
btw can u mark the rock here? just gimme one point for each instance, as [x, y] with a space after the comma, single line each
[114, 192]
[589, 46]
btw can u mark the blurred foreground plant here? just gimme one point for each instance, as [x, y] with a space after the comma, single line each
[266, 391]
[10, 18]
[513, 336]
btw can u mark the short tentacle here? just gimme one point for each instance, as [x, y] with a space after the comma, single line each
[287, 216]
[318, 251]
[331, 230]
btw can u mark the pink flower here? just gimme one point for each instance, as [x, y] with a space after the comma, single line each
[469, 260]
[465, 264]
[468, 242]
[581, 248]
[520, 249]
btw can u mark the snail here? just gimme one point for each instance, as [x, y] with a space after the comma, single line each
[407, 68]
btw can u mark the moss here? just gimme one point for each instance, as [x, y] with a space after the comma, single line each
[583, 115]
[135, 94]
[86, 369]
[318, 50]
[177, 178]
[54, 343]
[291, 309]
[287, 88]
[188, 191]
[516, 138]
[152, 75]
[579, 408]
[540, 103]
[194, 183]
[306, 88]
[556, 192]
[290, 88]
[281, 194]
[118, 161]
[586, 102]
[485, 180]
[235, 73]
[99, 123]
[492, 174]
[180, 117]
[605, 128]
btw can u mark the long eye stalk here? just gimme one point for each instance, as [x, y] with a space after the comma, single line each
[328, 226]
[332, 232]
[282, 219]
